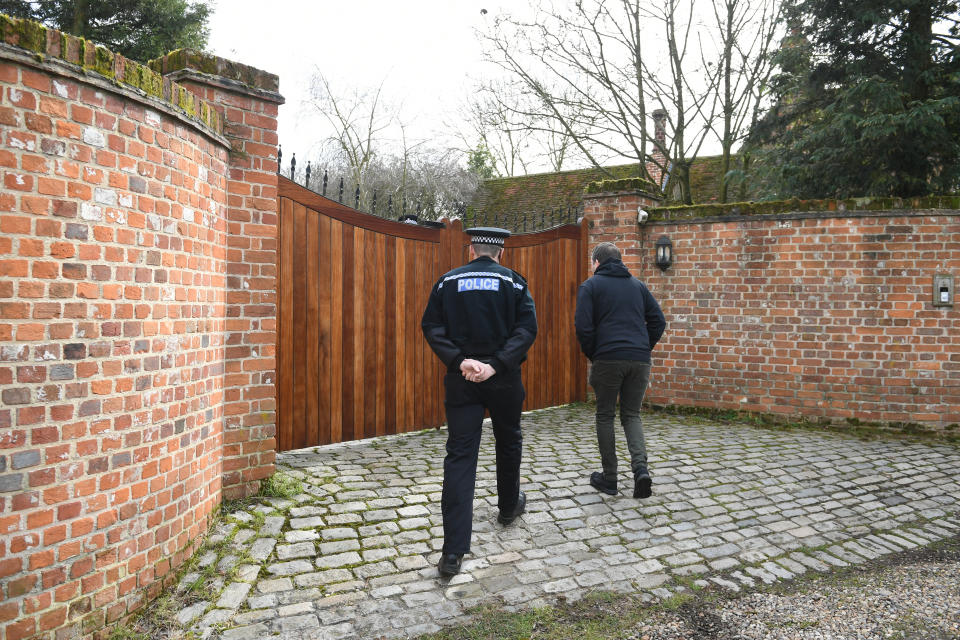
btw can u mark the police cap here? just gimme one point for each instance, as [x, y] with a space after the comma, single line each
[488, 235]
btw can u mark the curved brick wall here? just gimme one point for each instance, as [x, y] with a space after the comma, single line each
[117, 217]
[815, 314]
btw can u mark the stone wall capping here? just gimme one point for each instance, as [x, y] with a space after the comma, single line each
[796, 206]
[201, 62]
[225, 83]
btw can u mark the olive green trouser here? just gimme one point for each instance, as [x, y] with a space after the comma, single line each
[627, 381]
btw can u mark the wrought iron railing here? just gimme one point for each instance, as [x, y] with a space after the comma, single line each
[417, 209]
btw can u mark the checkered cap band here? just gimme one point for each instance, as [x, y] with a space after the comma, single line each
[486, 240]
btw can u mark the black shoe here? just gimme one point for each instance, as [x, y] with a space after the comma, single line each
[508, 518]
[449, 564]
[598, 482]
[642, 484]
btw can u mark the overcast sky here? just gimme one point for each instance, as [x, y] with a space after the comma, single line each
[424, 51]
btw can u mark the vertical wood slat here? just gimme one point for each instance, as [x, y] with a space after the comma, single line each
[336, 331]
[409, 268]
[286, 354]
[352, 361]
[400, 329]
[391, 342]
[299, 277]
[325, 310]
[348, 366]
[381, 421]
[311, 431]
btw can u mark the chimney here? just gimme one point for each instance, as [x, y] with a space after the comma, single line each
[659, 127]
[657, 166]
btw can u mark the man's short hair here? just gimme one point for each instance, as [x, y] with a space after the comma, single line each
[605, 252]
[488, 250]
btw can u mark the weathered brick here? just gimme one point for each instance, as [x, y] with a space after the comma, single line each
[24, 459]
[19, 395]
[97, 252]
[11, 482]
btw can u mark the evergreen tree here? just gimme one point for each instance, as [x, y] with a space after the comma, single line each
[480, 162]
[868, 100]
[138, 29]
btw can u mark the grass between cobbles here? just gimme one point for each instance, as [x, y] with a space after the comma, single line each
[603, 615]
[158, 618]
[595, 617]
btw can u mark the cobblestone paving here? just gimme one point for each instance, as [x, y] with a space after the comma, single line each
[354, 555]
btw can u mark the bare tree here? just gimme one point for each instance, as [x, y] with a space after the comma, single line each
[356, 119]
[382, 170]
[580, 67]
[686, 93]
[596, 70]
[746, 32]
[593, 70]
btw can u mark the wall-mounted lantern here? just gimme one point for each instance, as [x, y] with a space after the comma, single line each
[664, 253]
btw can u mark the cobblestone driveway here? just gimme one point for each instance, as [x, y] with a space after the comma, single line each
[354, 555]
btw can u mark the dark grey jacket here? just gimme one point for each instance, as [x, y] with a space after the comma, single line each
[617, 317]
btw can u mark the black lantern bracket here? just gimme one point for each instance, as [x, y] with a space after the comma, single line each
[664, 255]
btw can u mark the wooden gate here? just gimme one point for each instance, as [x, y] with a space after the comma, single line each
[352, 362]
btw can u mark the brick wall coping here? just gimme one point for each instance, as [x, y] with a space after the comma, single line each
[803, 215]
[227, 74]
[798, 209]
[58, 52]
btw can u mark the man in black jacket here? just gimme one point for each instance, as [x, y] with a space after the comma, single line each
[480, 321]
[618, 322]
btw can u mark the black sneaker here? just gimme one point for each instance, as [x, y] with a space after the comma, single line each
[600, 484]
[508, 518]
[449, 564]
[642, 484]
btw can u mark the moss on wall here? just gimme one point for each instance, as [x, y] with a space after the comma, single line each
[25, 34]
[93, 58]
[804, 206]
[207, 63]
[626, 184]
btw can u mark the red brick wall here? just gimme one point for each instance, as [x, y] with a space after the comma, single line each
[248, 102]
[821, 315]
[119, 316]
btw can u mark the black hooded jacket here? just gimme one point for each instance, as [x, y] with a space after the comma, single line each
[617, 317]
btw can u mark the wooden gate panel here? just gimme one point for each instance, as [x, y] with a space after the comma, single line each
[352, 361]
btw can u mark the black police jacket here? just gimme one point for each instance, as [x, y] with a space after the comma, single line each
[481, 310]
[617, 317]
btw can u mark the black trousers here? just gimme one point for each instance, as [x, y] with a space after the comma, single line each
[502, 395]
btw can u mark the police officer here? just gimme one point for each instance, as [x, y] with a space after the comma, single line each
[480, 321]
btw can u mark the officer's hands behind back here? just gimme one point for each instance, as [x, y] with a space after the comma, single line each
[476, 371]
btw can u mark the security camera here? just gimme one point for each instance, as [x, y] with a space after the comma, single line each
[642, 215]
